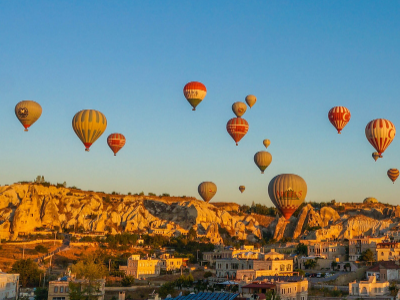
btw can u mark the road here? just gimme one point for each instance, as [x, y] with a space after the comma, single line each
[324, 279]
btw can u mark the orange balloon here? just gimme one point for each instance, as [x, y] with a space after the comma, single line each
[116, 141]
[237, 128]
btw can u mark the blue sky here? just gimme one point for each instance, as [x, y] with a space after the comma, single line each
[131, 59]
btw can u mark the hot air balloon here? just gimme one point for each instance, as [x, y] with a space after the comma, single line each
[393, 174]
[251, 100]
[242, 188]
[207, 190]
[262, 160]
[287, 193]
[266, 143]
[380, 133]
[239, 108]
[339, 117]
[194, 92]
[375, 156]
[28, 112]
[89, 125]
[116, 141]
[237, 128]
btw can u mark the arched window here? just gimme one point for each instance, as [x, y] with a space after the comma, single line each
[364, 290]
[282, 267]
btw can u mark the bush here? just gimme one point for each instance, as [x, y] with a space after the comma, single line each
[128, 281]
[41, 249]
[207, 274]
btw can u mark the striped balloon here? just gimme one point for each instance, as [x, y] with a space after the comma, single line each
[287, 193]
[380, 133]
[393, 174]
[262, 160]
[237, 128]
[89, 125]
[194, 92]
[28, 112]
[339, 117]
[207, 190]
[116, 141]
[242, 188]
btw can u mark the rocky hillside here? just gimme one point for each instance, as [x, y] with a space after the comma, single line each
[25, 208]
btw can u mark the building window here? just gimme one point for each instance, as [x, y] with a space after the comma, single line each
[66, 289]
[56, 289]
[61, 289]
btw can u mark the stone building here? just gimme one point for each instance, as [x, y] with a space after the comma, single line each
[286, 289]
[245, 251]
[384, 270]
[59, 289]
[142, 268]
[9, 284]
[388, 251]
[360, 244]
[371, 289]
[270, 264]
[169, 262]
[328, 250]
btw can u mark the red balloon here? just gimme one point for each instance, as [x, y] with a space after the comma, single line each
[237, 128]
[116, 141]
[339, 117]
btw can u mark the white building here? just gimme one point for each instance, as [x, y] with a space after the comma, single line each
[9, 284]
[370, 289]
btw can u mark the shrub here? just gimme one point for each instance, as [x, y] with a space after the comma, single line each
[41, 249]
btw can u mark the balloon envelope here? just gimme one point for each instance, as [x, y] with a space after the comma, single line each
[251, 100]
[89, 125]
[339, 116]
[194, 93]
[28, 112]
[207, 190]
[239, 108]
[237, 128]
[380, 133]
[242, 188]
[393, 174]
[266, 143]
[116, 141]
[287, 193]
[262, 159]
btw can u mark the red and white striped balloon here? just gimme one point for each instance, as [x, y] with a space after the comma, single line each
[237, 128]
[339, 117]
[116, 141]
[380, 133]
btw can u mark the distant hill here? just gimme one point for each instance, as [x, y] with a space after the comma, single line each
[29, 207]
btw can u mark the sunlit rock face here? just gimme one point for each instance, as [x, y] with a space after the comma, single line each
[25, 208]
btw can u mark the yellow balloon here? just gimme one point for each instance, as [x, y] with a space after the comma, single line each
[239, 108]
[89, 125]
[262, 159]
[266, 143]
[207, 190]
[28, 112]
[251, 100]
[242, 188]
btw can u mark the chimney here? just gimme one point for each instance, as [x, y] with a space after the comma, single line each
[121, 295]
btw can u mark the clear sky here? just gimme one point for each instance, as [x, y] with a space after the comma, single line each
[131, 60]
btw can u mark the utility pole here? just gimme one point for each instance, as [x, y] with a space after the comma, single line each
[109, 265]
[197, 255]
[23, 252]
[55, 234]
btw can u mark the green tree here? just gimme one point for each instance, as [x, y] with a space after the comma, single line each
[41, 293]
[192, 235]
[207, 274]
[90, 269]
[301, 272]
[301, 249]
[367, 256]
[270, 295]
[334, 264]
[128, 281]
[166, 288]
[28, 271]
[41, 249]
[310, 263]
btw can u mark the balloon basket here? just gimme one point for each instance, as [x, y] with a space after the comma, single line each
[87, 149]
[26, 129]
[193, 109]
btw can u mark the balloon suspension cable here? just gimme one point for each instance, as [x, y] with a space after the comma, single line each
[262, 172]
[26, 129]
[339, 132]
[115, 154]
